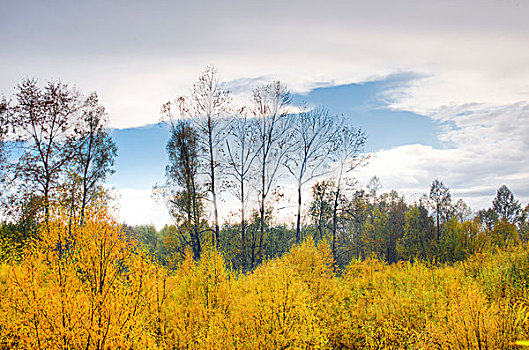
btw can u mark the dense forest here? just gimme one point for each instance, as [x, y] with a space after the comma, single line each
[355, 267]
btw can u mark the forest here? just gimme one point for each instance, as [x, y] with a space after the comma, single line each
[354, 267]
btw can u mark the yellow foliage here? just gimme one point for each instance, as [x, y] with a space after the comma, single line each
[81, 287]
[91, 287]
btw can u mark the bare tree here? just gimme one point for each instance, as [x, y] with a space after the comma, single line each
[269, 108]
[42, 120]
[350, 143]
[315, 138]
[373, 186]
[242, 151]
[206, 106]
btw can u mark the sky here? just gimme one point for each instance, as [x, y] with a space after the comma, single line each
[440, 87]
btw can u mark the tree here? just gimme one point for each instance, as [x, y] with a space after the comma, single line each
[373, 186]
[242, 150]
[3, 146]
[505, 205]
[322, 205]
[418, 240]
[207, 104]
[100, 295]
[95, 150]
[440, 202]
[487, 218]
[461, 211]
[396, 209]
[270, 103]
[183, 194]
[315, 136]
[523, 223]
[42, 120]
[350, 143]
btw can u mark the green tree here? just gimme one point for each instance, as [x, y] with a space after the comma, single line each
[504, 234]
[147, 236]
[440, 202]
[505, 205]
[396, 209]
[418, 241]
[455, 244]
[487, 218]
[321, 206]
[183, 194]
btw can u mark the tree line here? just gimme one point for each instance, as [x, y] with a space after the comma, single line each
[253, 151]
[56, 151]
[216, 147]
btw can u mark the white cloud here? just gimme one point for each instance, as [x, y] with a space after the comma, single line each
[489, 148]
[137, 55]
[137, 207]
[469, 51]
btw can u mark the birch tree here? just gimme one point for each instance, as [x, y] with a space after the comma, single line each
[350, 143]
[95, 151]
[242, 150]
[42, 120]
[205, 107]
[270, 110]
[315, 137]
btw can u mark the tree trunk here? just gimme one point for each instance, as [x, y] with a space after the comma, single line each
[334, 223]
[262, 212]
[298, 223]
[85, 179]
[213, 189]
[243, 228]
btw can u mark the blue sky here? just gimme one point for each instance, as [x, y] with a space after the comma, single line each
[440, 87]
[142, 155]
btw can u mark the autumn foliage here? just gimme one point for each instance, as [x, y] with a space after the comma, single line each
[93, 287]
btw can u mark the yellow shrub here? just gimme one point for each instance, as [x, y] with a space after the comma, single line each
[92, 287]
[81, 287]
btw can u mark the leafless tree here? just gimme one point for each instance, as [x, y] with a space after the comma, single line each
[350, 143]
[270, 103]
[315, 138]
[206, 107]
[242, 150]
